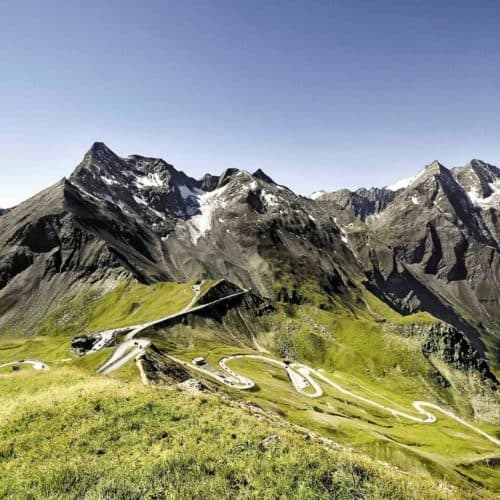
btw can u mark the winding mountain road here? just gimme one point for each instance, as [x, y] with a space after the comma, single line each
[126, 351]
[133, 347]
[307, 373]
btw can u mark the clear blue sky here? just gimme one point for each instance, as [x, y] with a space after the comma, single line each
[319, 94]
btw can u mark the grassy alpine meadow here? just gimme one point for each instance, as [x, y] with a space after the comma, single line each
[67, 433]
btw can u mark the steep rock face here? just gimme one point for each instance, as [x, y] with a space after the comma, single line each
[434, 247]
[450, 345]
[148, 188]
[453, 348]
[458, 365]
[435, 231]
[481, 182]
[441, 201]
[45, 253]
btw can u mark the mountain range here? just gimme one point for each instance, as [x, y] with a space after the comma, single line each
[430, 243]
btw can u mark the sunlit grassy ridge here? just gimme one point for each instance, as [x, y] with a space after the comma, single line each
[127, 304]
[69, 434]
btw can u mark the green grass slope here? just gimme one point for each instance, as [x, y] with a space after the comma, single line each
[69, 434]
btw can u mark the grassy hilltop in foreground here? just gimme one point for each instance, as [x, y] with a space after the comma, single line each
[68, 434]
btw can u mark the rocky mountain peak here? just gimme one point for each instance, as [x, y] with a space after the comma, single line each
[481, 165]
[361, 203]
[155, 192]
[149, 188]
[435, 166]
[99, 148]
[227, 176]
[434, 170]
[102, 161]
[99, 156]
[209, 182]
[260, 174]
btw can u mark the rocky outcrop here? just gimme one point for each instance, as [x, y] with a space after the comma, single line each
[407, 329]
[450, 345]
[159, 370]
[456, 364]
[447, 343]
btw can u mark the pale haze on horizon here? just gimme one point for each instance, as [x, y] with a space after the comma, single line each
[321, 95]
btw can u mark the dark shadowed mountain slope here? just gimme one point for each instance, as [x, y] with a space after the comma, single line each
[45, 253]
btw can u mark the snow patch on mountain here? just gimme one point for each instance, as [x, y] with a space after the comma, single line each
[270, 199]
[317, 194]
[188, 193]
[492, 201]
[102, 197]
[149, 180]
[144, 203]
[200, 224]
[139, 201]
[109, 181]
[192, 198]
[401, 184]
